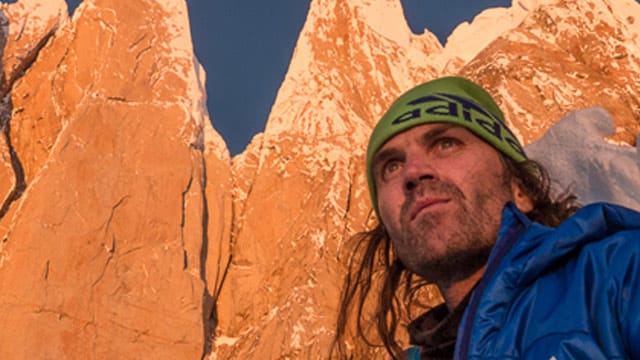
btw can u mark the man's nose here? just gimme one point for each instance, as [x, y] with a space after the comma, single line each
[416, 170]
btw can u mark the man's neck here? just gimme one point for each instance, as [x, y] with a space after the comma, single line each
[454, 293]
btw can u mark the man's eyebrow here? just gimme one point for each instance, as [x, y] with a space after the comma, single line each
[387, 153]
[435, 132]
[383, 155]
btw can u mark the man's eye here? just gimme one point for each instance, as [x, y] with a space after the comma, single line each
[390, 168]
[446, 143]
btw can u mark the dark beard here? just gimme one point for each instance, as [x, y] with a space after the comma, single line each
[467, 246]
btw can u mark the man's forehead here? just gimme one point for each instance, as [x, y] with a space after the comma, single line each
[422, 132]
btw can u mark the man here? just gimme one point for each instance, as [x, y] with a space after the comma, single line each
[460, 205]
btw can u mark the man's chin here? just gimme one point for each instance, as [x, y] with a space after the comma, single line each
[450, 268]
[427, 225]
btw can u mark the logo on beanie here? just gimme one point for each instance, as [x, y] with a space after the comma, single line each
[443, 107]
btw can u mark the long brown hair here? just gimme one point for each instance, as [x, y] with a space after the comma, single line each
[396, 291]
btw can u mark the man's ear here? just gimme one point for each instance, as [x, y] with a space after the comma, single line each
[522, 200]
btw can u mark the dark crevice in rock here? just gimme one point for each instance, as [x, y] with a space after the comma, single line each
[183, 219]
[210, 300]
[113, 210]
[27, 60]
[117, 98]
[111, 250]
[238, 207]
[209, 313]
[134, 72]
[16, 164]
[46, 270]
[347, 208]
[7, 107]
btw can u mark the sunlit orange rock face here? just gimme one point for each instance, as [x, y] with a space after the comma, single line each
[127, 230]
[562, 57]
[105, 248]
[300, 190]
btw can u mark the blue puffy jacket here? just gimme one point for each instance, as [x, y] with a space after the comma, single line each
[571, 292]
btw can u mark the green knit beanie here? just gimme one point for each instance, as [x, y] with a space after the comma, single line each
[446, 100]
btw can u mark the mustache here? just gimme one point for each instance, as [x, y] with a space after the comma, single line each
[430, 189]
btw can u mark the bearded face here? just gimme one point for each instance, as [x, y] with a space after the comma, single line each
[441, 191]
[447, 246]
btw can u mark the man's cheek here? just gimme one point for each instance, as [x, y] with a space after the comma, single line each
[469, 174]
[385, 214]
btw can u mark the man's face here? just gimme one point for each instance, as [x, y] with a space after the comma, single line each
[441, 191]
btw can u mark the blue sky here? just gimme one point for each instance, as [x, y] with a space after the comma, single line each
[245, 48]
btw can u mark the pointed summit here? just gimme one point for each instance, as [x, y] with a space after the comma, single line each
[363, 51]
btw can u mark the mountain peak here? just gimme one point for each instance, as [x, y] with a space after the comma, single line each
[347, 53]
